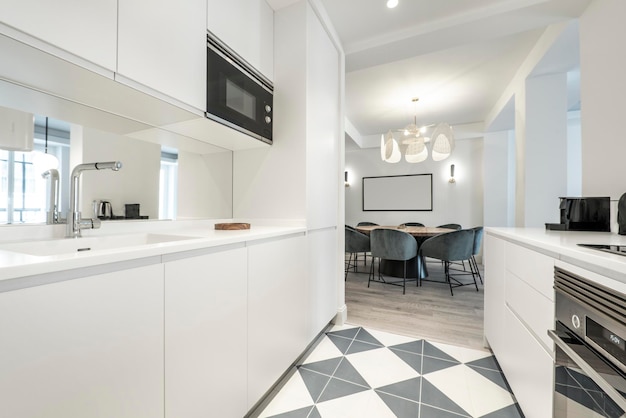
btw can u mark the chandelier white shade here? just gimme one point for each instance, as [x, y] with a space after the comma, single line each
[443, 142]
[389, 149]
[414, 142]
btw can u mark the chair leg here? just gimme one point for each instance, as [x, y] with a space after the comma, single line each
[369, 278]
[473, 259]
[404, 280]
[474, 277]
[447, 272]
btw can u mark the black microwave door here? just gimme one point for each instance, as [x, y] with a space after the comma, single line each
[237, 99]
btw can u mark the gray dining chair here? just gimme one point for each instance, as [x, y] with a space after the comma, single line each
[391, 244]
[412, 224]
[365, 223]
[356, 242]
[456, 227]
[451, 247]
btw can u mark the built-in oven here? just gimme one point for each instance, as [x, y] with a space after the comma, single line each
[590, 348]
[238, 95]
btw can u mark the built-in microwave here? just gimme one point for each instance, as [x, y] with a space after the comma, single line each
[238, 95]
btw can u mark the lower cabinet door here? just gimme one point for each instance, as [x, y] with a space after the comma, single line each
[88, 347]
[205, 335]
[277, 311]
[528, 367]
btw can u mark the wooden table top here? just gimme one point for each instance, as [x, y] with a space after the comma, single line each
[416, 231]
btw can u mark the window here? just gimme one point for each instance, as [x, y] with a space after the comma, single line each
[22, 188]
[168, 183]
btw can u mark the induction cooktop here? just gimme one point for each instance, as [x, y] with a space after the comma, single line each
[613, 249]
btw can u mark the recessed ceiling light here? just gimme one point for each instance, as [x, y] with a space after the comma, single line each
[392, 3]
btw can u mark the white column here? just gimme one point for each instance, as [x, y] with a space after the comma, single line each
[545, 144]
[602, 89]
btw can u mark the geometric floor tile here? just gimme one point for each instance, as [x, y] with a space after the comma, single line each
[356, 372]
[337, 388]
[470, 390]
[438, 400]
[399, 406]
[326, 367]
[362, 404]
[381, 367]
[408, 389]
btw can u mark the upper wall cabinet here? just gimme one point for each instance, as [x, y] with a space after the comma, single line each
[86, 29]
[247, 27]
[162, 45]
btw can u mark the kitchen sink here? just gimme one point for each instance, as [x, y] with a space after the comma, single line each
[89, 244]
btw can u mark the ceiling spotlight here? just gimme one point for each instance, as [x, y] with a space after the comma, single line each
[392, 3]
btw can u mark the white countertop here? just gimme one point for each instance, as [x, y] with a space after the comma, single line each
[14, 265]
[562, 245]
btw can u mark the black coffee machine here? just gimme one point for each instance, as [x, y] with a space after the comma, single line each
[584, 214]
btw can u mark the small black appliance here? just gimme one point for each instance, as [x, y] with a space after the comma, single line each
[238, 96]
[584, 214]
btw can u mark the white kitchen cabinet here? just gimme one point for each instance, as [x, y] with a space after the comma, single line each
[162, 45]
[495, 274]
[88, 347]
[528, 368]
[322, 279]
[247, 27]
[322, 126]
[519, 310]
[205, 334]
[85, 29]
[277, 310]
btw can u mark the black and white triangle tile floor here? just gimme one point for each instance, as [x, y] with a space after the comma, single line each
[357, 372]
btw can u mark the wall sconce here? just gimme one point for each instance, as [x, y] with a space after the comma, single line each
[452, 180]
[345, 176]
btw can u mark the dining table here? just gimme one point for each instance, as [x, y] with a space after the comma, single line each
[420, 233]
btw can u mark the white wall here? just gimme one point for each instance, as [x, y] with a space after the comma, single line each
[497, 178]
[574, 155]
[136, 182]
[460, 202]
[271, 182]
[205, 185]
[602, 89]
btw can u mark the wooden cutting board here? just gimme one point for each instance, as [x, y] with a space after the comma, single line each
[231, 226]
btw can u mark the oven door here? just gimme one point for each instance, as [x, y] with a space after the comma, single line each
[585, 383]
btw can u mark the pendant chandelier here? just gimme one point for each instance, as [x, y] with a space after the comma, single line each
[414, 143]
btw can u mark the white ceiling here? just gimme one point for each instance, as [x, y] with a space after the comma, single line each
[457, 56]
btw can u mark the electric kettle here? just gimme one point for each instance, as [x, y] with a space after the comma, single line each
[105, 210]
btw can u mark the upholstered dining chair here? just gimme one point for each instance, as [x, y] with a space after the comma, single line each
[391, 244]
[412, 224]
[356, 242]
[478, 239]
[451, 226]
[450, 247]
[365, 223]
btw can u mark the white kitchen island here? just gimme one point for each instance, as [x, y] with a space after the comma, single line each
[199, 325]
[519, 300]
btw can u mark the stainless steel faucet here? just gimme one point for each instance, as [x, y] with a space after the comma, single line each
[52, 216]
[74, 221]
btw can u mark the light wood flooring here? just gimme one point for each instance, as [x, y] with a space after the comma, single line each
[426, 312]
